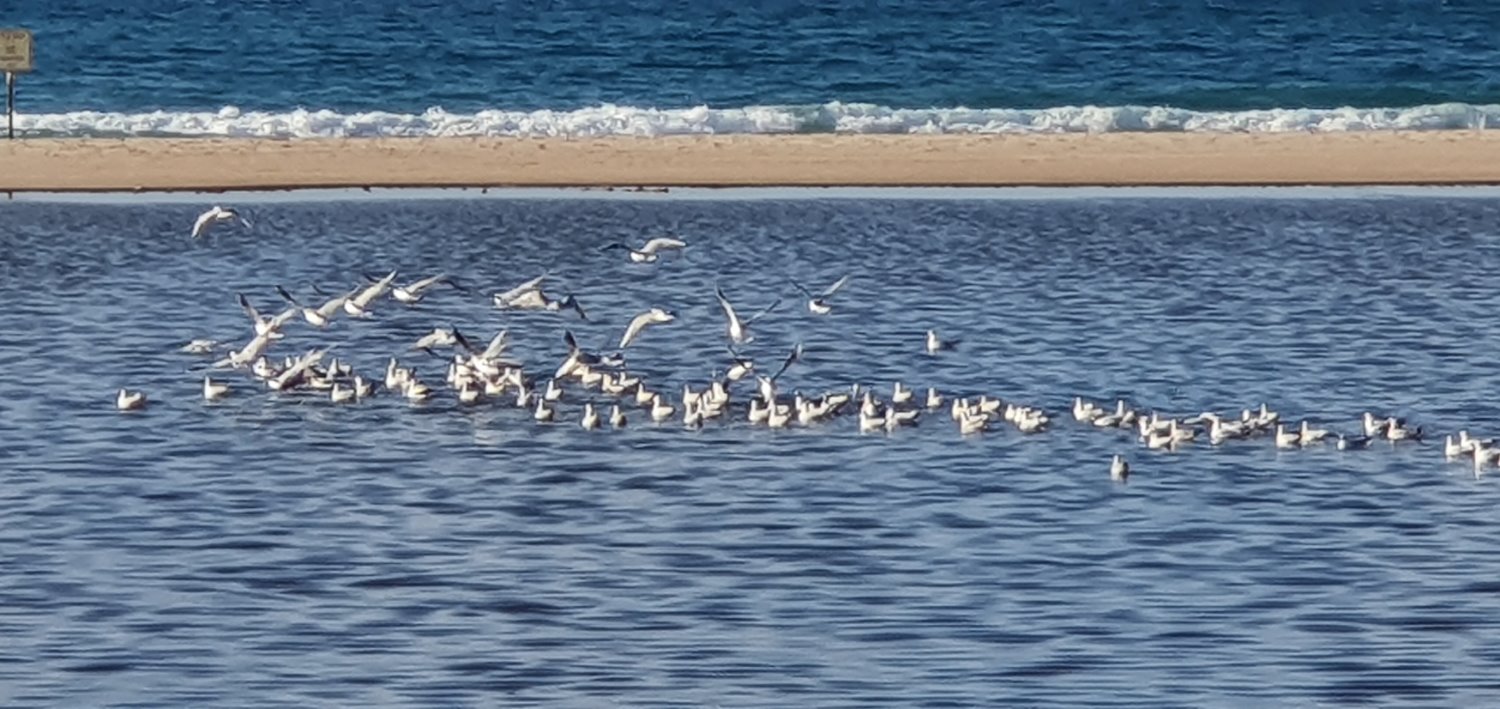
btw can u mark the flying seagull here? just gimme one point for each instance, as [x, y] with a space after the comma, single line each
[653, 316]
[214, 216]
[651, 251]
[739, 330]
[818, 303]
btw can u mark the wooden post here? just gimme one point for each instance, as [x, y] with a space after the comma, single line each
[10, 106]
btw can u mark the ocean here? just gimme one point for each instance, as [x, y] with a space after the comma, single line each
[280, 550]
[584, 68]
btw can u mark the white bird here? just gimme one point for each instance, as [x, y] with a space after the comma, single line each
[412, 293]
[439, 337]
[972, 423]
[358, 305]
[251, 352]
[651, 250]
[130, 400]
[200, 346]
[544, 412]
[660, 410]
[590, 417]
[740, 368]
[1285, 439]
[936, 344]
[739, 330]
[654, 316]
[362, 387]
[900, 394]
[616, 417]
[934, 399]
[508, 298]
[818, 303]
[213, 391]
[1394, 431]
[214, 216]
[1119, 469]
[263, 324]
[320, 316]
[338, 394]
[1308, 436]
[531, 296]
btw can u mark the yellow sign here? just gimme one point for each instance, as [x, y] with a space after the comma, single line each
[15, 51]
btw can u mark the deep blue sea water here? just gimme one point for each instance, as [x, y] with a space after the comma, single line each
[278, 550]
[823, 66]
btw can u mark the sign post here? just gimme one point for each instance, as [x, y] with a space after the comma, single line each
[16, 57]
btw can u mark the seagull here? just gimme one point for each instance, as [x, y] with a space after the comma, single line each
[590, 417]
[263, 324]
[936, 344]
[251, 352]
[413, 293]
[794, 356]
[320, 316]
[649, 252]
[1119, 469]
[214, 216]
[818, 303]
[739, 332]
[339, 395]
[1353, 444]
[509, 298]
[741, 367]
[616, 417]
[130, 400]
[653, 316]
[439, 337]
[213, 391]
[200, 347]
[358, 305]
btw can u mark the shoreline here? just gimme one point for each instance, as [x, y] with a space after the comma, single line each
[1401, 158]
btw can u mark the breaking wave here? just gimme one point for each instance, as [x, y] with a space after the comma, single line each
[833, 117]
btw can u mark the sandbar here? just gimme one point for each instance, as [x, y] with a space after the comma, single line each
[822, 160]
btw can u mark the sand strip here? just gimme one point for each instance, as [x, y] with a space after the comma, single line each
[159, 164]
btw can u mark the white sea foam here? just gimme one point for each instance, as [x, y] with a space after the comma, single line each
[826, 118]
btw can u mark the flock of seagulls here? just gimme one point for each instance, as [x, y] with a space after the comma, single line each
[606, 389]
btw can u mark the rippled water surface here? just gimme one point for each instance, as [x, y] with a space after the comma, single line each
[278, 551]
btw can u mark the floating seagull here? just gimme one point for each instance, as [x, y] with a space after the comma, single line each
[654, 316]
[213, 391]
[130, 400]
[590, 417]
[818, 303]
[214, 216]
[339, 395]
[1345, 443]
[649, 252]
[616, 417]
[739, 330]
[1119, 469]
[320, 316]
[200, 347]
[936, 344]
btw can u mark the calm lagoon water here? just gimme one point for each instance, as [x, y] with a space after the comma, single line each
[279, 551]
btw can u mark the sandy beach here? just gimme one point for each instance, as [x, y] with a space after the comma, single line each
[159, 164]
